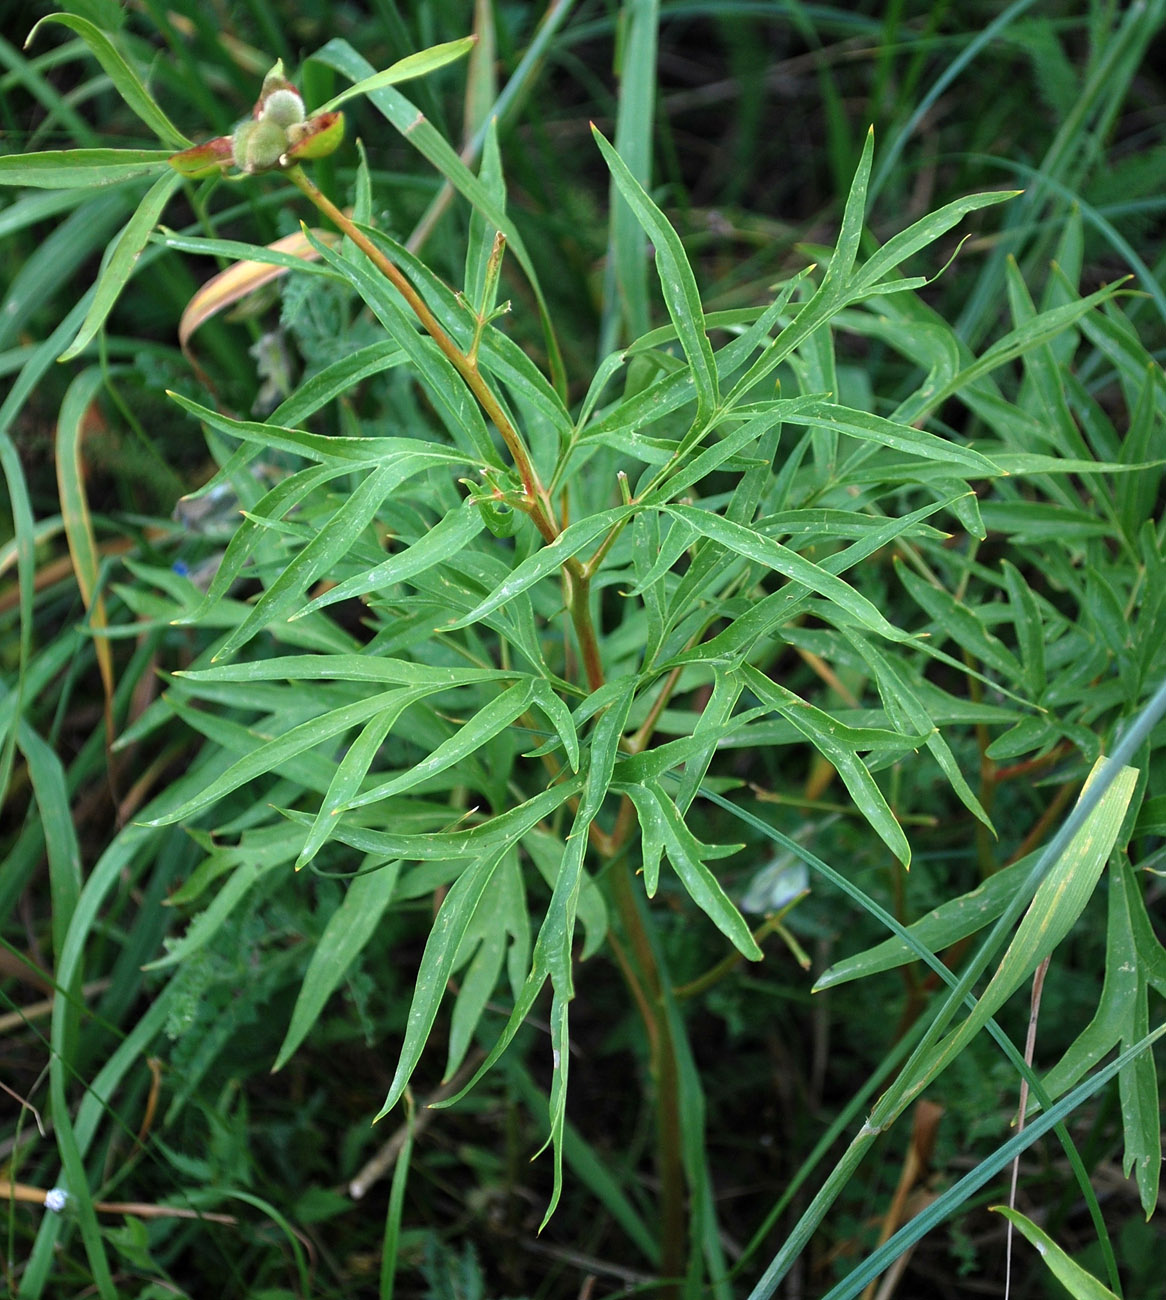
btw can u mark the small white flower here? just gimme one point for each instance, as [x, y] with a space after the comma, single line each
[55, 1199]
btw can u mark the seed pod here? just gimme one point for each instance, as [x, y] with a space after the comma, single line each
[258, 145]
[204, 159]
[315, 138]
[283, 106]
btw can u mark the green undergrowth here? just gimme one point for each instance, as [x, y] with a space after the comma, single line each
[583, 650]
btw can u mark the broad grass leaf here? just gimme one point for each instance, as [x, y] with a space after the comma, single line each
[418, 64]
[47, 777]
[1120, 1017]
[349, 928]
[125, 80]
[950, 922]
[1080, 1284]
[86, 169]
[627, 261]
[52, 266]
[120, 265]
[1056, 905]
[681, 295]
[23, 524]
[74, 412]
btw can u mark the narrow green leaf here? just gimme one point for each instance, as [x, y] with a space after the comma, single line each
[501, 915]
[126, 81]
[651, 818]
[343, 668]
[487, 723]
[1030, 635]
[437, 963]
[411, 123]
[341, 376]
[72, 169]
[334, 540]
[121, 262]
[267, 756]
[687, 855]
[681, 295]
[837, 744]
[460, 411]
[909, 713]
[440, 846]
[349, 928]
[1080, 1284]
[449, 536]
[560, 718]
[952, 921]
[354, 452]
[545, 561]
[952, 619]
[923, 232]
[352, 769]
[890, 433]
[763, 550]
[418, 64]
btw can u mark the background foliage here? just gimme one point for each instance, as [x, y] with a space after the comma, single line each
[826, 537]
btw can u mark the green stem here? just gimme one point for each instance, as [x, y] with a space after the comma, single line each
[646, 976]
[536, 502]
[577, 596]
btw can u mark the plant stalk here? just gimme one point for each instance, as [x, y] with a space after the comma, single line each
[537, 503]
[665, 1075]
